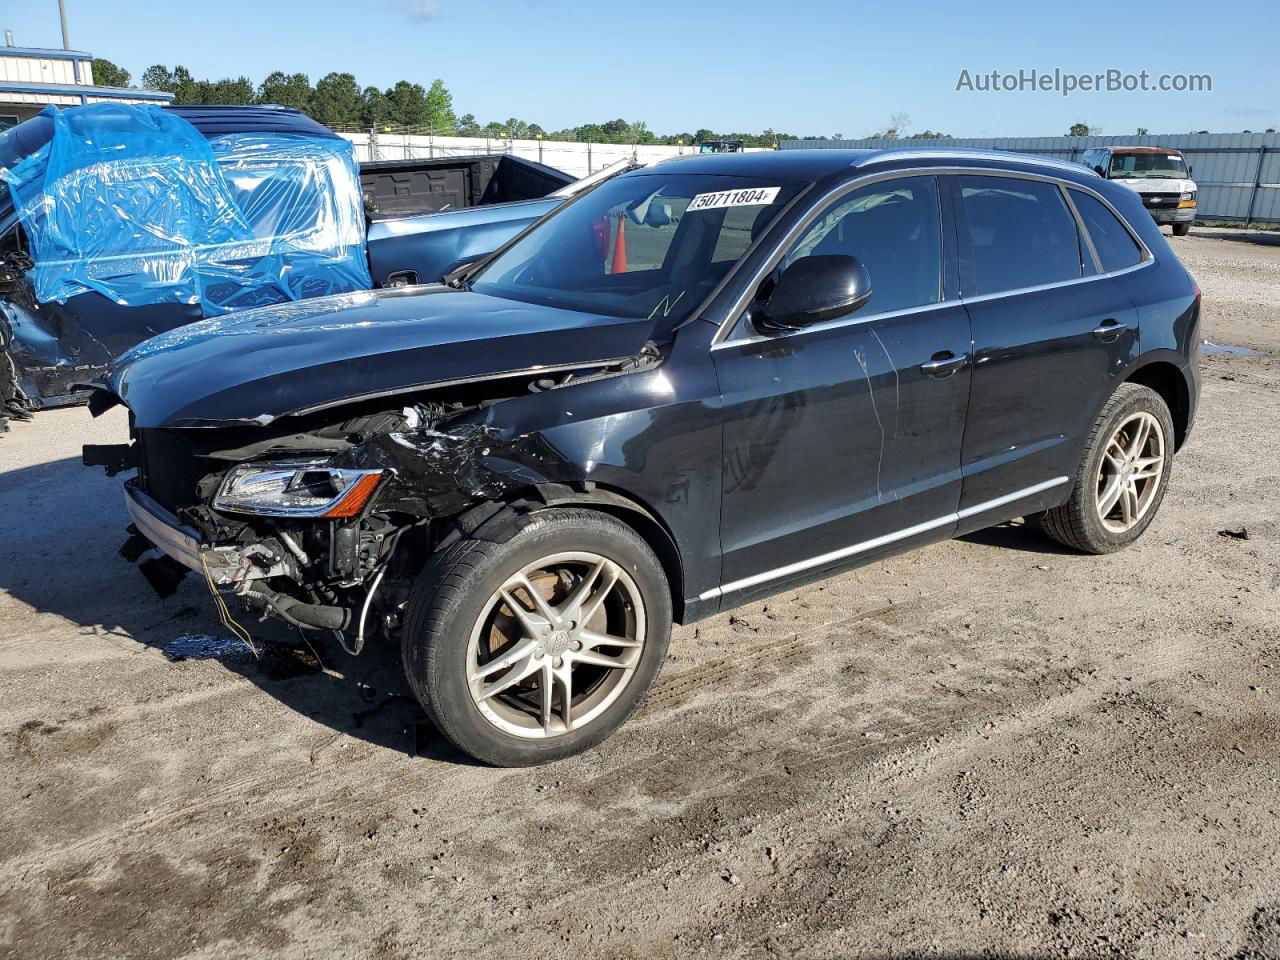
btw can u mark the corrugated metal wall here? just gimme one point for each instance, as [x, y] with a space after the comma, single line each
[1238, 174]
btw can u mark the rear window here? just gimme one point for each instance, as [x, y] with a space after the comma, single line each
[1115, 245]
[1021, 233]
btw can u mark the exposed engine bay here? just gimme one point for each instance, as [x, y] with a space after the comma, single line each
[323, 521]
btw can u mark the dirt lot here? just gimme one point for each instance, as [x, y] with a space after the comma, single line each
[990, 747]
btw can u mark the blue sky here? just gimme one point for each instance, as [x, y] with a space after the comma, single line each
[805, 66]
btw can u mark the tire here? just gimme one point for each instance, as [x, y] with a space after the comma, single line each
[1079, 523]
[1181, 229]
[458, 622]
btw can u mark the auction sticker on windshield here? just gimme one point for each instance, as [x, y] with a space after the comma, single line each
[751, 197]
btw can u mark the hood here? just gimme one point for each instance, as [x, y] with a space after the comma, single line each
[259, 365]
[1156, 184]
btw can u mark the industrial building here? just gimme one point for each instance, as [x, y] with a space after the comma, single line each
[32, 79]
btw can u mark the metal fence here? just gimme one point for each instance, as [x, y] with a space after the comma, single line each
[1237, 175]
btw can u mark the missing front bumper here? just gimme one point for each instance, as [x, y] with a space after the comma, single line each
[224, 566]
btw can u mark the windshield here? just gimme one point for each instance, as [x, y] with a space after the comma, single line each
[1166, 166]
[640, 245]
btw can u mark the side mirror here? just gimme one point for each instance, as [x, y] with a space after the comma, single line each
[1190, 171]
[814, 289]
[1099, 171]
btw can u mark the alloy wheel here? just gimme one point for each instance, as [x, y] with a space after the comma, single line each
[555, 645]
[1130, 471]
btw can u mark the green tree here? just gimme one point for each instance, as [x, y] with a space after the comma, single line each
[229, 91]
[287, 90]
[158, 77]
[1142, 131]
[704, 134]
[178, 81]
[107, 74]
[467, 125]
[375, 108]
[1078, 130]
[616, 129]
[408, 103]
[337, 100]
[440, 116]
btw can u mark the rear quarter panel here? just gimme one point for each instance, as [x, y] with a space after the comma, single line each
[1166, 297]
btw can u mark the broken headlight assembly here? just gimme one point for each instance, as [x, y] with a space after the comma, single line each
[296, 490]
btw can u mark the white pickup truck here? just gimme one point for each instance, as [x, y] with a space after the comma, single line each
[1159, 174]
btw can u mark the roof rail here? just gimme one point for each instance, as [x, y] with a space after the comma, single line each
[1008, 156]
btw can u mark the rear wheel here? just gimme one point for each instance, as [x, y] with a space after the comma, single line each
[539, 645]
[1122, 477]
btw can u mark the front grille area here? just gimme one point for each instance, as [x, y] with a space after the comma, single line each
[1161, 199]
[168, 470]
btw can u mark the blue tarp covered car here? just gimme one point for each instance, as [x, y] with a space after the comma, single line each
[120, 222]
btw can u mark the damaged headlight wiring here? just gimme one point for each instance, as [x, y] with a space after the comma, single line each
[296, 490]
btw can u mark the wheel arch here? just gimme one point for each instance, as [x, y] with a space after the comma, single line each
[634, 514]
[1168, 380]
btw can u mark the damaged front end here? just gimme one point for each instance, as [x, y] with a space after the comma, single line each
[324, 521]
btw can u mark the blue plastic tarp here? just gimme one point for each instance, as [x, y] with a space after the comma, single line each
[133, 202]
[302, 199]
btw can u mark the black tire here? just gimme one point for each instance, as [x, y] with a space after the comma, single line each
[1181, 229]
[1076, 523]
[453, 591]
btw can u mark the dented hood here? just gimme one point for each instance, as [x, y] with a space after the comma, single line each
[256, 366]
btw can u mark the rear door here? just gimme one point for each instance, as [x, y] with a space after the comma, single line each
[842, 440]
[1051, 331]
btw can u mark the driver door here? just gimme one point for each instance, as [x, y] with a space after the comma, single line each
[842, 440]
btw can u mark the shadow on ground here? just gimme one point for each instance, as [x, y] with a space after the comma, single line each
[1018, 535]
[1261, 237]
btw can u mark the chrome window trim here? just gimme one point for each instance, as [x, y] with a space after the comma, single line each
[734, 314]
[983, 297]
[848, 320]
[801, 565]
[1082, 234]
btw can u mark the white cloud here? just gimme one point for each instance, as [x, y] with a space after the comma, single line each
[420, 11]
[1242, 111]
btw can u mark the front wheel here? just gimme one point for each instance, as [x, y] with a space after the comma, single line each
[1122, 477]
[1181, 229]
[538, 645]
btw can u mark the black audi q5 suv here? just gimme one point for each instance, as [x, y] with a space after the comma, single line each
[700, 383]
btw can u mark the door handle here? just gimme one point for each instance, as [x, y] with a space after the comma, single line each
[1109, 329]
[943, 364]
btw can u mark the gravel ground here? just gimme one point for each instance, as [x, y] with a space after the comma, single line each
[990, 747]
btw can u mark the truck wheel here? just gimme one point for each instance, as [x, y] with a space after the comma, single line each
[1122, 476]
[1181, 229]
[540, 643]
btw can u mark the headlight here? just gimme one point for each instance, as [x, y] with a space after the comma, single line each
[296, 490]
[1191, 195]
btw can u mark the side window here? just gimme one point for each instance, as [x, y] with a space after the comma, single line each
[895, 229]
[1021, 233]
[736, 232]
[1115, 245]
